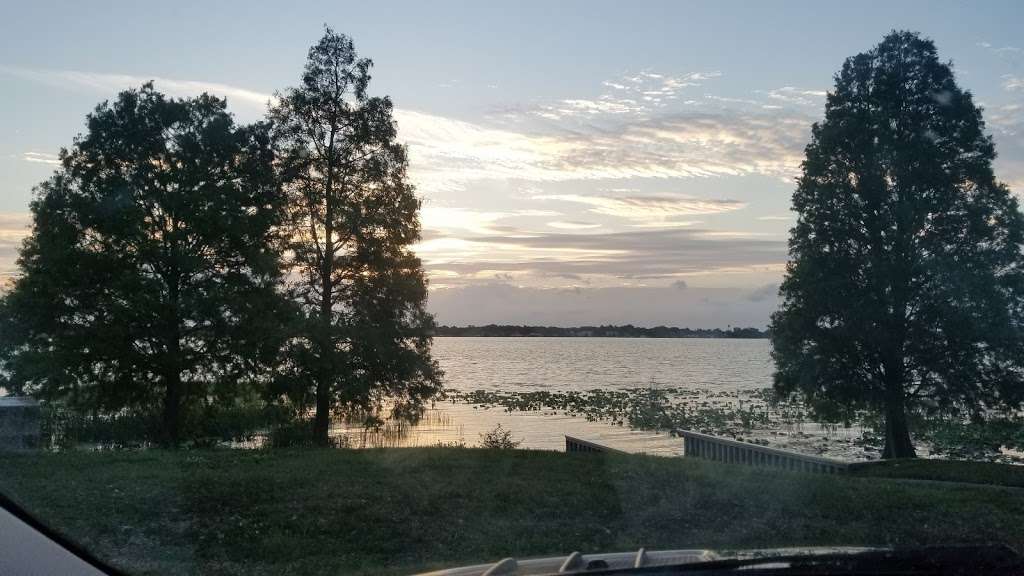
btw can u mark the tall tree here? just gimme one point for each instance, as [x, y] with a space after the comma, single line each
[904, 288]
[151, 268]
[365, 338]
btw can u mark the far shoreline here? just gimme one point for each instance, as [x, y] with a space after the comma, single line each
[602, 337]
[537, 336]
[607, 331]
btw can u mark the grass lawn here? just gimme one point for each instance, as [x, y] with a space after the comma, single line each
[944, 470]
[307, 511]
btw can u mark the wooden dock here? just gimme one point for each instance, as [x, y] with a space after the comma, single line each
[697, 445]
[706, 447]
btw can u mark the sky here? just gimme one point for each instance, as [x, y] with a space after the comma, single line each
[579, 162]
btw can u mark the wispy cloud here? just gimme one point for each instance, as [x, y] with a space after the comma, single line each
[112, 83]
[667, 224]
[476, 221]
[639, 93]
[606, 257]
[1005, 51]
[1007, 124]
[573, 225]
[14, 227]
[41, 158]
[448, 154]
[792, 95]
[1012, 82]
[687, 145]
[646, 208]
[733, 100]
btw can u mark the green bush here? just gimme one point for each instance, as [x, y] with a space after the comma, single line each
[499, 438]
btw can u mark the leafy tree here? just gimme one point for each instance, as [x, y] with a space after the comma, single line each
[903, 290]
[364, 340]
[148, 280]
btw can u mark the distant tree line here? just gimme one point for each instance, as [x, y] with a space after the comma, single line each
[609, 331]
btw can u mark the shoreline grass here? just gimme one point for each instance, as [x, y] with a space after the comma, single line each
[404, 510]
[963, 471]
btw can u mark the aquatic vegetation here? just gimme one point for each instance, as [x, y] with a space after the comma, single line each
[758, 416]
[671, 408]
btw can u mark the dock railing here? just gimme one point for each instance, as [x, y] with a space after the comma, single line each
[579, 445]
[697, 445]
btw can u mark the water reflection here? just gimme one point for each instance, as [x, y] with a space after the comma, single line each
[462, 424]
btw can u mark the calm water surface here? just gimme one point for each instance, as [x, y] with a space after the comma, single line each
[563, 364]
[510, 364]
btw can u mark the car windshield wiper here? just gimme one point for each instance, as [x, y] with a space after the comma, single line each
[927, 560]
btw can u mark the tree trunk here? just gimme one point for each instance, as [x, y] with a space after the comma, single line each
[322, 419]
[172, 371]
[897, 433]
[172, 408]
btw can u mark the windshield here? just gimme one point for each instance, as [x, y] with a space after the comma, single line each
[360, 288]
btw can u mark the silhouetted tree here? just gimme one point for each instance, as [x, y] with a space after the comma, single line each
[148, 280]
[365, 337]
[903, 290]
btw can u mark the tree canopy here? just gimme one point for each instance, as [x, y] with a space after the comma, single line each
[904, 288]
[149, 277]
[364, 337]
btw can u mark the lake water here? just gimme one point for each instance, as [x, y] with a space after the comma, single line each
[578, 364]
[613, 363]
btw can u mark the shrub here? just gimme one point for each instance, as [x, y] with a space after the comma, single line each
[499, 438]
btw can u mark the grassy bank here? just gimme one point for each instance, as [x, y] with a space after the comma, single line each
[400, 510]
[944, 471]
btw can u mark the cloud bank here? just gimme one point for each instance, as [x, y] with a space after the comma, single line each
[548, 198]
